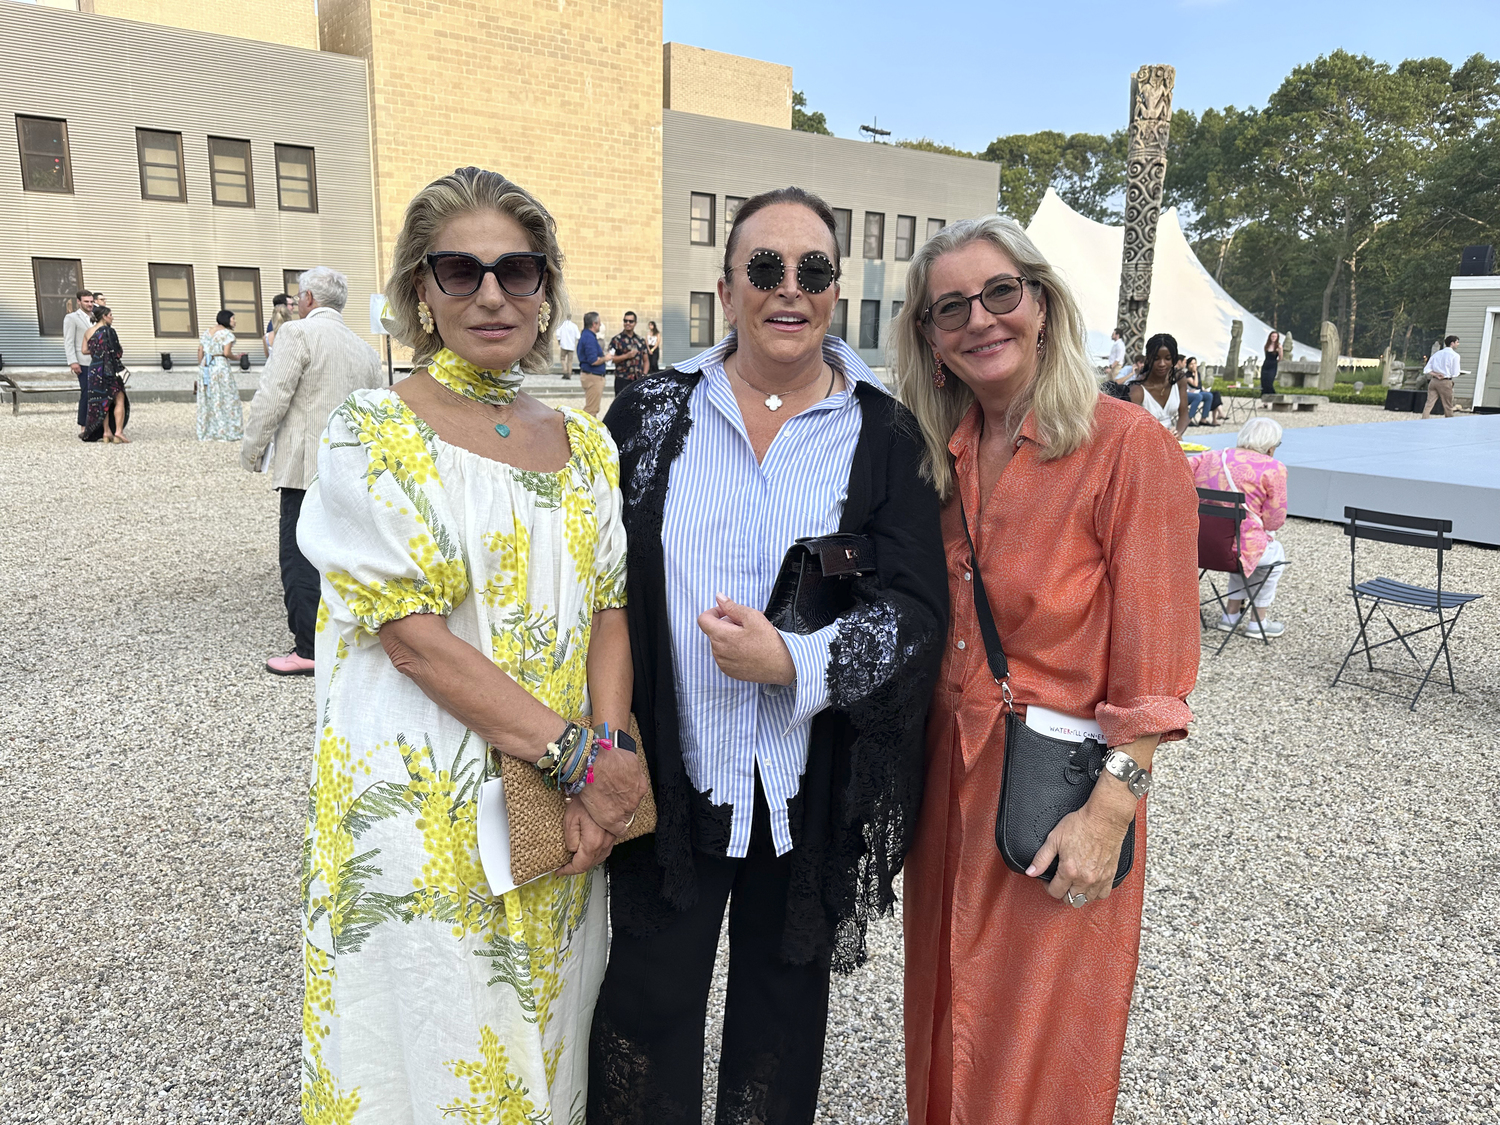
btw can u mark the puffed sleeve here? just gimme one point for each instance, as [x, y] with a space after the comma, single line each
[601, 462]
[1148, 526]
[375, 522]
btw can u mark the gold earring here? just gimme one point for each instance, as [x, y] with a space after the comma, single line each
[424, 317]
[544, 316]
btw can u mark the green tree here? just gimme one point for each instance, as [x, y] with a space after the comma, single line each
[808, 122]
[1087, 170]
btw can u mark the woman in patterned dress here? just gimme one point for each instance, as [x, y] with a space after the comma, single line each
[220, 417]
[108, 407]
[472, 561]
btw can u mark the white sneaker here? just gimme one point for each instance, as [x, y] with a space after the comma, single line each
[1227, 624]
[1264, 628]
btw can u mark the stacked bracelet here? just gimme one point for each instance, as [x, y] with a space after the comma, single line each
[568, 764]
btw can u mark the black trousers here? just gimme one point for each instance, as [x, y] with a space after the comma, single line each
[83, 396]
[299, 580]
[646, 1052]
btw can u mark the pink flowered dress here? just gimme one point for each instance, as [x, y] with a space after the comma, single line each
[1263, 481]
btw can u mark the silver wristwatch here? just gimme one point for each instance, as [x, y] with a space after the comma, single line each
[1122, 765]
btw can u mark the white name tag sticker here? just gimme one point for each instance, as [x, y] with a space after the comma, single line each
[1055, 724]
[493, 830]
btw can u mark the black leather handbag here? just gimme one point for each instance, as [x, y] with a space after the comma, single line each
[1044, 778]
[816, 581]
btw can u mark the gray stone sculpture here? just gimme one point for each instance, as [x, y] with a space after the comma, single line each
[1150, 123]
[1236, 333]
[1328, 365]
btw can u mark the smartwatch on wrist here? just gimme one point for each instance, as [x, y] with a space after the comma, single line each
[1121, 765]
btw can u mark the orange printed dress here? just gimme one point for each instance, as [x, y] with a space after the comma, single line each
[1015, 1002]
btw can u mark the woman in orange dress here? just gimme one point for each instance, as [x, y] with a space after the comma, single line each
[1083, 515]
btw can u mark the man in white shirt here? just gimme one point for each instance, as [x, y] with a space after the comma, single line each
[1442, 369]
[76, 327]
[1116, 353]
[316, 364]
[567, 341]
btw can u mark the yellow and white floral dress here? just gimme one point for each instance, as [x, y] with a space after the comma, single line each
[428, 998]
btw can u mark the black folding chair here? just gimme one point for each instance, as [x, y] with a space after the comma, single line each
[1220, 514]
[1407, 531]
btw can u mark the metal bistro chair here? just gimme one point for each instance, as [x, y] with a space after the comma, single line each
[1407, 531]
[1220, 514]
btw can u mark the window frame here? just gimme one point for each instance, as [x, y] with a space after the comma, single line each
[839, 324]
[291, 282]
[259, 327]
[940, 225]
[312, 178]
[738, 201]
[67, 154]
[896, 307]
[36, 288]
[843, 229]
[879, 255]
[869, 322]
[911, 237]
[696, 339]
[140, 160]
[153, 272]
[708, 223]
[213, 180]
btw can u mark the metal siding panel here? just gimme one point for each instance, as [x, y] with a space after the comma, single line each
[197, 84]
[1466, 321]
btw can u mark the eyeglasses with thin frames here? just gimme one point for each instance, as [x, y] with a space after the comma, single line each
[1000, 295]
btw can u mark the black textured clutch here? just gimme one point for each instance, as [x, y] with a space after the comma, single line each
[815, 584]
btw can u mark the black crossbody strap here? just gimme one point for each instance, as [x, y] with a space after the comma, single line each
[993, 650]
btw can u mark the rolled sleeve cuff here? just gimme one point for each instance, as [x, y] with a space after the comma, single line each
[1123, 723]
[810, 659]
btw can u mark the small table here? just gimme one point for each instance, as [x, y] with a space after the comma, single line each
[1280, 403]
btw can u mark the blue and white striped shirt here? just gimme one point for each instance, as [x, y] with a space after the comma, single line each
[728, 522]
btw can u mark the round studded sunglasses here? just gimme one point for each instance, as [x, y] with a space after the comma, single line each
[766, 268]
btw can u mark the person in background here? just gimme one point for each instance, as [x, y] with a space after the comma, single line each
[98, 297]
[220, 415]
[281, 312]
[1199, 400]
[1160, 391]
[1441, 370]
[1270, 363]
[627, 352]
[1116, 361]
[317, 364]
[1251, 468]
[108, 408]
[653, 348]
[567, 345]
[78, 325]
[591, 363]
[1083, 518]
[1137, 369]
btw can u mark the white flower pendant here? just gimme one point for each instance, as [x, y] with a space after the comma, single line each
[773, 402]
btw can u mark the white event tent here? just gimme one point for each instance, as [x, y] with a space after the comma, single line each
[1185, 299]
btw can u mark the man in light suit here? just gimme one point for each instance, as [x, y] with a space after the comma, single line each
[76, 327]
[317, 363]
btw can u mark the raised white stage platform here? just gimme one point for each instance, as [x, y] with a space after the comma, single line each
[1445, 468]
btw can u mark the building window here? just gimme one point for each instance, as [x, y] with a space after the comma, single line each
[229, 172]
[239, 292]
[174, 305]
[896, 307]
[869, 324]
[45, 163]
[291, 282]
[701, 222]
[296, 178]
[843, 219]
[161, 165]
[58, 281]
[700, 320]
[906, 237]
[840, 325]
[934, 225]
[874, 235]
[731, 209]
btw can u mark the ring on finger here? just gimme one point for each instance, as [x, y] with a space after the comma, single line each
[1078, 899]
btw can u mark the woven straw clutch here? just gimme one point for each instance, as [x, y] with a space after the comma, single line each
[537, 842]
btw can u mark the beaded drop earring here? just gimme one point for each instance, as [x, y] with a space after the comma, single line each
[939, 376]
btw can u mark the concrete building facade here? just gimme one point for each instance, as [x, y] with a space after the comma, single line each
[713, 84]
[888, 201]
[292, 23]
[177, 198]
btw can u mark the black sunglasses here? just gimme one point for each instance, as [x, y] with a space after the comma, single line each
[460, 275]
[766, 268]
[999, 295]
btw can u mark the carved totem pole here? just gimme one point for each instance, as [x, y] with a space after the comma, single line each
[1150, 122]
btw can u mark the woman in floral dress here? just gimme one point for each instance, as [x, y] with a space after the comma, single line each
[108, 406]
[472, 557]
[220, 417]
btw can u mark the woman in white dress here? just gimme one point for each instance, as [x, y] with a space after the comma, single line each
[472, 562]
[1159, 391]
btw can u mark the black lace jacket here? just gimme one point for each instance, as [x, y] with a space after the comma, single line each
[855, 814]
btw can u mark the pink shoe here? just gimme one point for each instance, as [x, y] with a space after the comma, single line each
[290, 665]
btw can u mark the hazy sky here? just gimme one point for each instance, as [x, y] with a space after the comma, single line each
[966, 71]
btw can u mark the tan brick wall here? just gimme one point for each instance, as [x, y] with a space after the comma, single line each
[564, 98]
[718, 85]
[291, 22]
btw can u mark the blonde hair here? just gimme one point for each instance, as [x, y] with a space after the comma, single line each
[279, 316]
[465, 191]
[1062, 395]
[1259, 434]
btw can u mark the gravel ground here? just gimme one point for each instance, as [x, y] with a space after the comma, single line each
[1319, 942]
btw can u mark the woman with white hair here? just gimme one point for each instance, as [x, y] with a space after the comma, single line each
[1080, 514]
[1251, 467]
